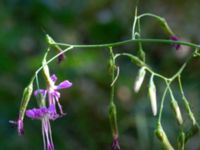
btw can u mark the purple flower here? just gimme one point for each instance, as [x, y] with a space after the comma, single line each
[39, 113]
[52, 91]
[44, 114]
[115, 144]
[175, 38]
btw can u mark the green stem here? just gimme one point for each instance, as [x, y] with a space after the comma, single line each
[186, 103]
[164, 41]
[50, 60]
[161, 105]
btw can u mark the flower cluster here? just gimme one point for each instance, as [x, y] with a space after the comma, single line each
[46, 113]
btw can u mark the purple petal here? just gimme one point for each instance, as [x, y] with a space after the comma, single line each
[40, 91]
[64, 84]
[50, 147]
[36, 113]
[55, 93]
[54, 78]
[52, 112]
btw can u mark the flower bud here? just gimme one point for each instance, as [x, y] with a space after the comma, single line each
[160, 133]
[177, 111]
[139, 79]
[181, 141]
[152, 95]
[25, 99]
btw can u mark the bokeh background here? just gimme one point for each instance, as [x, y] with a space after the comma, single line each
[23, 25]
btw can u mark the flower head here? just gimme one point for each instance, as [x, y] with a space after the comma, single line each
[44, 114]
[53, 93]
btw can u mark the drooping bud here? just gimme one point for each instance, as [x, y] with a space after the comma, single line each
[181, 141]
[160, 133]
[139, 79]
[24, 102]
[176, 111]
[152, 95]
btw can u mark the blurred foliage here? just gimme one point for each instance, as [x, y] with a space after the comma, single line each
[23, 25]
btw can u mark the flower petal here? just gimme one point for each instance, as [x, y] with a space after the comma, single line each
[52, 112]
[54, 78]
[63, 85]
[36, 113]
[55, 94]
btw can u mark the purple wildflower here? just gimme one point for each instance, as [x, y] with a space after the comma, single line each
[175, 38]
[115, 144]
[52, 91]
[44, 114]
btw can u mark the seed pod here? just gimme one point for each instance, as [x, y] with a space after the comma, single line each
[139, 79]
[177, 111]
[113, 119]
[152, 95]
[160, 133]
[25, 99]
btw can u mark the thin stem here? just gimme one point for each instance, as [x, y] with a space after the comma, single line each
[116, 77]
[53, 58]
[186, 103]
[150, 15]
[141, 62]
[112, 74]
[134, 24]
[162, 104]
[164, 41]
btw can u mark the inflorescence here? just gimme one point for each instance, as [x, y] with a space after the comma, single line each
[48, 99]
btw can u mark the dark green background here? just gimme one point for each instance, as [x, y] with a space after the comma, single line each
[23, 24]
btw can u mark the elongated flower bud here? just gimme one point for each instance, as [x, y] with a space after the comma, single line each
[139, 79]
[181, 141]
[25, 99]
[160, 133]
[24, 102]
[177, 111]
[113, 119]
[152, 95]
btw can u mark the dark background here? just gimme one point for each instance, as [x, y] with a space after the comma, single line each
[23, 24]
